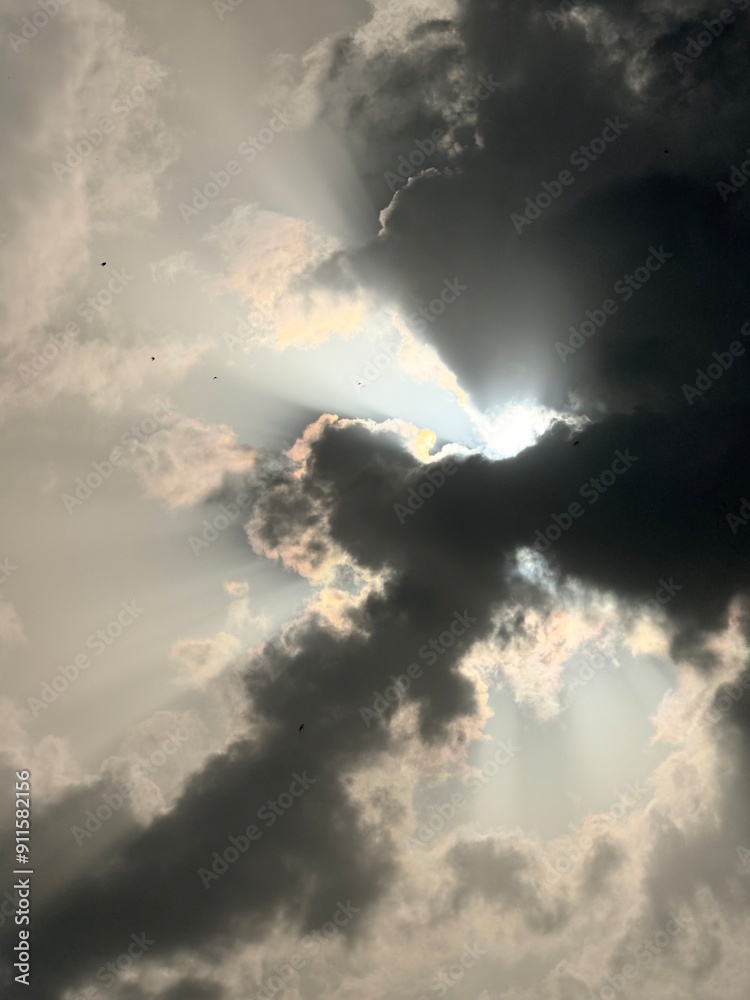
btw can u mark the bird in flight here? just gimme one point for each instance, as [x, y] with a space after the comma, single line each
[153, 359]
[575, 443]
[215, 376]
[301, 728]
[104, 263]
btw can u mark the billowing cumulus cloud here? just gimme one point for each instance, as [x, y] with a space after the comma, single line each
[326, 676]
[86, 161]
[186, 461]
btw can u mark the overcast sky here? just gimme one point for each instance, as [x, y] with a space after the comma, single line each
[376, 524]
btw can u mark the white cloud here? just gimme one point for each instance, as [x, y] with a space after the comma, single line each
[185, 462]
[201, 660]
[81, 92]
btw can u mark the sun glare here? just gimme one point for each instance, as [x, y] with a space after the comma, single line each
[508, 431]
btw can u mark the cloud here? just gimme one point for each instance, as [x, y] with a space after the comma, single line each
[201, 660]
[527, 290]
[330, 503]
[187, 461]
[11, 629]
[49, 757]
[495, 541]
[65, 87]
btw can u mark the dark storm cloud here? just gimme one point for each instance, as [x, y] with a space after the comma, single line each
[634, 210]
[658, 521]
[502, 874]
[316, 854]
[652, 519]
[455, 553]
[526, 289]
[631, 533]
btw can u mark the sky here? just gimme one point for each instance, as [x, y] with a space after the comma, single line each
[376, 525]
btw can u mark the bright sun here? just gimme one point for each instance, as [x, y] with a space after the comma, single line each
[510, 430]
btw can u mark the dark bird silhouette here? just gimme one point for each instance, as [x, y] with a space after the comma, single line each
[301, 728]
[215, 376]
[153, 359]
[575, 443]
[104, 263]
